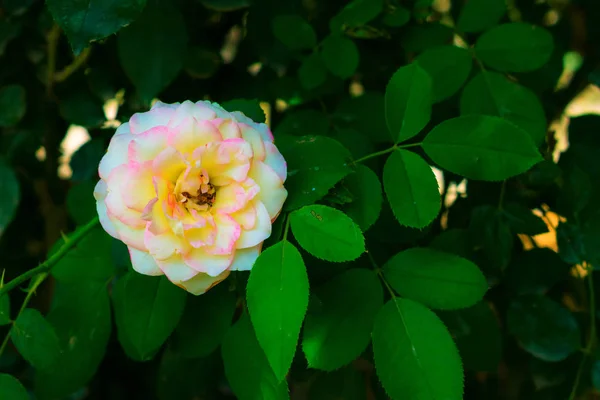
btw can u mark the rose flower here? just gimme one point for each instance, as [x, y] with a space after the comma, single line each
[192, 190]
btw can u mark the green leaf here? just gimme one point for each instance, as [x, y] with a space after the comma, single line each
[294, 32]
[477, 335]
[215, 309]
[81, 317]
[481, 147]
[312, 72]
[35, 339]
[147, 310]
[81, 204]
[340, 56]
[411, 189]
[397, 18]
[12, 389]
[338, 329]
[250, 108]
[366, 114]
[152, 49]
[345, 383]
[9, 30]
[448, 66]
[81, 107]
[409, 341]
[367, 198]
[12, 105]
[490, 93]
[480, 15]
[90, 260]
[225, 5]
[543, 327]
[357, 13]
[515, 47]
[11, 195]
[246, 366]
[437, 279]
[302, 123]
[201, 63]
[86, 21]
[315, 165]
[595, 374]
[522, 220]
[420, 37]
[490, 231]
[327, 233]
[84, 162]
[455, 241]
[277, 297]
[535, 271]
[408, 98]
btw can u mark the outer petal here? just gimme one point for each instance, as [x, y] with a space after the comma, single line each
[246, 217]
[275, 160]
[143, 262]
[210, 264]
[163, 246]
[117, 186]
[159, 115]
[115, 155]
[272, 193]
[261, 230]
[100, 193]
[138, 187]
[176, 270]
[201, 283]
[133, 237]
[256, 141]
[245, 258]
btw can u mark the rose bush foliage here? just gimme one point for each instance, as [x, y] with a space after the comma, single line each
[262, 199]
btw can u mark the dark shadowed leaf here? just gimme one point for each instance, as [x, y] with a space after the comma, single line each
[11, 195]
[225, 5]
[250, 108]
[543, 327]
[409, 341]
[490, 93]
[367, 198]
[397, 18]
[327, 233]
[12, 105]
[152, 50]
[315, 165]
[522, 220]
[35, 339]
[81, 204]
[448, 66]
[303, 123]
[479, 15]
[294, 32]
[80, 107]
[277, 296]
[344, 384]
[356, 13]
[481, 147]
[535, 271]
[338, 328]
[436, 279]
[147, 310]
[84, 162]
[411, 189]
[515, 47]
[214, 310]
[246, 366]
[340, 55]
[201, 63]
[424, 36]
[312, 73]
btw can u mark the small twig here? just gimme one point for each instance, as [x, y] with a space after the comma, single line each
[61, 76]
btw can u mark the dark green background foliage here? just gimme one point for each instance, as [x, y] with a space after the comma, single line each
[372, 285]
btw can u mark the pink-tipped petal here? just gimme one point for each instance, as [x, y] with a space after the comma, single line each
[228, 128]
[143, 262]
[256, 141]
[245, 258]
[137, 185]
[210, 264]
[272, 193]
[246, 217]
[105, 220]
[228, 232]
[230, 198]
[116, 154]
[190, 133]
[168, 164]
[176, 270]
[157, 116]
[163, 246]
[275, 160]
[146, 145]
[260, 232]
[201, 283]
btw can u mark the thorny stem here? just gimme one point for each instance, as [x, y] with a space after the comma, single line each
[50, 262]
[592, 339]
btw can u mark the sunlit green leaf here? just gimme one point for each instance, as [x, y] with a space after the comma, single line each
[277, 296]
[35, 339]
[409, 341]
[327, 233]
[12, 389]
